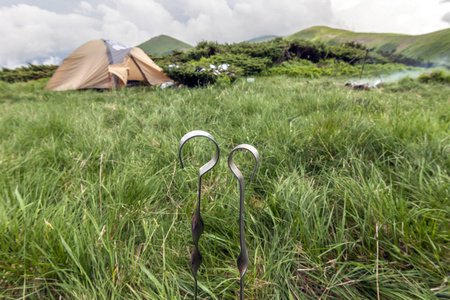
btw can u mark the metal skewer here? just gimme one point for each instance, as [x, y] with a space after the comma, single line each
[197, 221]
[242, 261]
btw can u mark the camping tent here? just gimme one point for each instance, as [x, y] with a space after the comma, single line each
[105, 64]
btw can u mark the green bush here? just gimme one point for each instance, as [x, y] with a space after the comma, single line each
[308, 69]
[405, 84]
[193, 75]
[296, 58]
[188, 76]
[434, 77]
[242, 63]
[223, 80]
[26, 73]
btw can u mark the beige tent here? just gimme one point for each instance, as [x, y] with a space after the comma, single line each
[105, 64]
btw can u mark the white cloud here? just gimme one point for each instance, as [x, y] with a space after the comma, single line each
[446, 18]
[234, 21]
[27, 32]
[51, 60]
[137, 21]
[399, 16]
[84, 8]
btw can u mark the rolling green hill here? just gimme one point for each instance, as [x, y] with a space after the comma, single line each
[163, 44]
[433, 46]
[264, 38]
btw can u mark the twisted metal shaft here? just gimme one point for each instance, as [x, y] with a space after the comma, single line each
[242, 261]
[197, 221]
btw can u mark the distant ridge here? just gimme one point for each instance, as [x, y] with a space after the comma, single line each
[163, 44]
[261, 39]
[433, 46]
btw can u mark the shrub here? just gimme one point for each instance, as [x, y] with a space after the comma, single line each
[26, 73]
[246, 64]
[223, 80]
[199, 75]
[188, 76]
[407, 83]
[434, 77]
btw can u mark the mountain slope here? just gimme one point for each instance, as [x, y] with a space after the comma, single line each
[433, 46]
[163, 44]
[264, 38]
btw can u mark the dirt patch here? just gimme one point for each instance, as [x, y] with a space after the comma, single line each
[367, 41]
[405, 44]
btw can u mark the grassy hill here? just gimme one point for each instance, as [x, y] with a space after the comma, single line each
[433, 46]
[163, 44]
[261, 39]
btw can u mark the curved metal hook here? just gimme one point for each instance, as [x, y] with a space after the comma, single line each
[242, 261]
[200, 133]
[197, 221]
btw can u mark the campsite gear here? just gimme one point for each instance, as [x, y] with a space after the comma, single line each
[167, 84]
[242, 260]
[104, 64]
[197, 221]
[358, 86]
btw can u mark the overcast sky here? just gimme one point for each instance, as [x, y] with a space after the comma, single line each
[46, 31]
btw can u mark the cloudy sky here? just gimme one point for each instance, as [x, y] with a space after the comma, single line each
[46, 31]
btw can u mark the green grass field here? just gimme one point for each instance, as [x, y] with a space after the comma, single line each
[351, 199]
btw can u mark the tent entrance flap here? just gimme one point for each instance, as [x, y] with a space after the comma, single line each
[121, 72]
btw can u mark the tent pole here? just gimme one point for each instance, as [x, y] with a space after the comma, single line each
[373, 61]
[364, 63]
[140, 70]
[355, 57]
[109, 82]
[351, 60]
